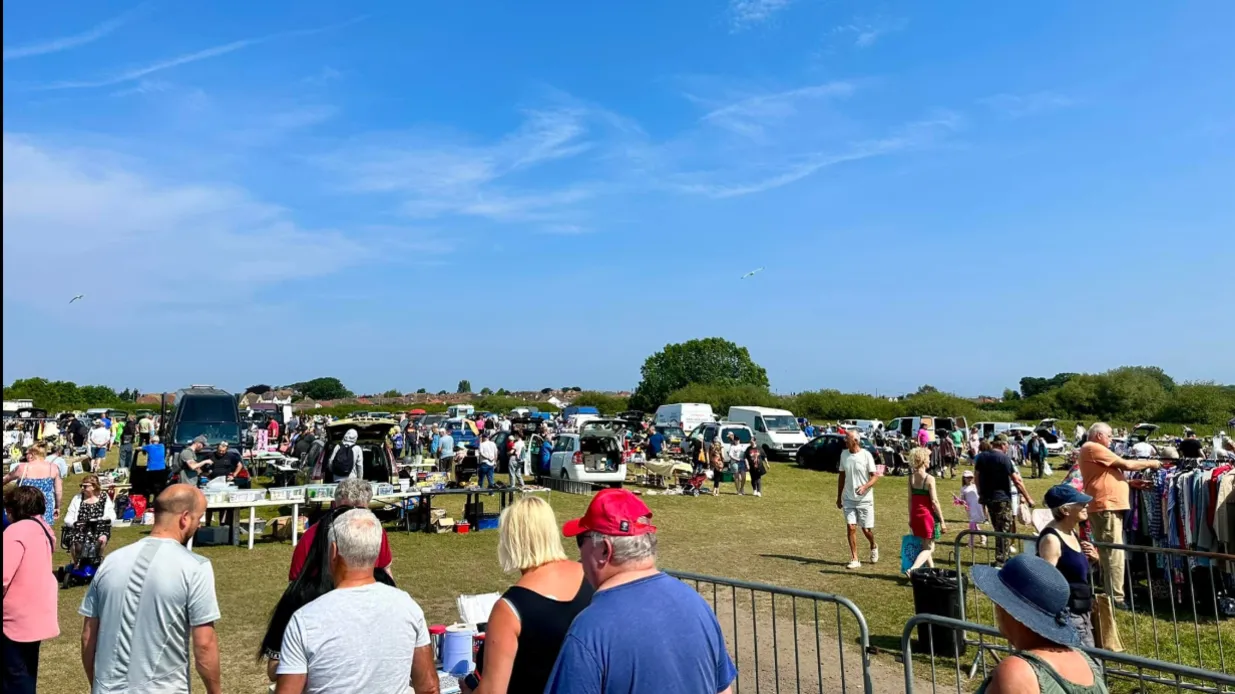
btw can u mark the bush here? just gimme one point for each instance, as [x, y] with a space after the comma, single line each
[607, 404]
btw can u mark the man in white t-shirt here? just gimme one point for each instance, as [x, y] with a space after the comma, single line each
[487, 452]
[363, 636]
[517, 462]
[856, 497]
[1144, 449]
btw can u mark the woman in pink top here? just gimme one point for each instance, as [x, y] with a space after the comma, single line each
[30, 590]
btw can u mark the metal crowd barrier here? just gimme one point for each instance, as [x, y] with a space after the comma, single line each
[795, 619]
[1152, 618]
[1142, 671]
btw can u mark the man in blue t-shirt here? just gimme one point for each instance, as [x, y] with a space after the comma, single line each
[644, 631]
[656, 443]
[156, 465]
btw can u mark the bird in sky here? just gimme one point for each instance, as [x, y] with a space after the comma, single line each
[79, 296]
[752, 273]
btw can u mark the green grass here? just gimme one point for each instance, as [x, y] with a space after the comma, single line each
[793, 536]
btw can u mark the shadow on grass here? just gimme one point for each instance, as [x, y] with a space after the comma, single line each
[803, 560]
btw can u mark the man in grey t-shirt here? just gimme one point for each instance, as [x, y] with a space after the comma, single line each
[148, 601]
[187, 461]
[363, 636]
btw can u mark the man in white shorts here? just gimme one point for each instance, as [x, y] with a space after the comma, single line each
[855, 496]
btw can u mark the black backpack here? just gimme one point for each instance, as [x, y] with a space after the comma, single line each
[342, 463]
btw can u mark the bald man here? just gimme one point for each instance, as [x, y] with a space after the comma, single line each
[142, 644]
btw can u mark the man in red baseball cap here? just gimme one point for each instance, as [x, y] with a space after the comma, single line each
[644, 630]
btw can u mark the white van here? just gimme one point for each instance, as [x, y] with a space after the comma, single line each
[686, 415]
[460, 411]
[776, 431]
[988, 430]
[907, 427]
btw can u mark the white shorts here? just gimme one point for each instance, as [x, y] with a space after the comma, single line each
[862, 515]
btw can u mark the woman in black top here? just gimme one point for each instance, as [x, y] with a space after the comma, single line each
[528, 625]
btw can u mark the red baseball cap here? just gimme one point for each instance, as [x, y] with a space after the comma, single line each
[615, 512]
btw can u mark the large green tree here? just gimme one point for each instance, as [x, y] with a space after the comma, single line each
[465, 386]
[708, 361]
[325, 388]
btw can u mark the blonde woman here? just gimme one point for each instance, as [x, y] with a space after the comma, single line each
[42, 474]
[716, 460]
[528, 625]
[91, 506]
[925, 514]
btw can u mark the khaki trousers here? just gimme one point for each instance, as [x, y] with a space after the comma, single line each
[1108, 526]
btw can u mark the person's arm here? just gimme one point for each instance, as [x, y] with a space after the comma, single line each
[291, 684]
[1020, 487]
[424, 671]
[13, 552]
[14, 474]
[70, 516]
[840, 487]
[873, 471]
[109, 509]
[1049, 549]
[206, 657]
[501, 647]
[576, 671]
[943, 525]
[89, 642]
[59, 487]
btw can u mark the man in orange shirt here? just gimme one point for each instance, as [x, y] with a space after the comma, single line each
[1103, 474]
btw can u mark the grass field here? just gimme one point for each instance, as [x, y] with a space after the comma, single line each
[793, 536]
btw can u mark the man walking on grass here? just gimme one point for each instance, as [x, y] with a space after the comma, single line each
[856, 497]
[995, 475]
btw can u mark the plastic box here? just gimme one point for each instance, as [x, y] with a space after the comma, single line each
[323, 492]
[246, 495]
[463, 527]
[217, 497]
[286, 493]
[488, 521]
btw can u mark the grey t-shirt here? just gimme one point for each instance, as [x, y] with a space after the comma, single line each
[147, 597]
[355, 640]
[858, 468]
[446, 446]
[187, 474]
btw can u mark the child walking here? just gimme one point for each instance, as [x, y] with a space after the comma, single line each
[976, 511]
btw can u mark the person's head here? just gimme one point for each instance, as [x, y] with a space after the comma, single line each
[1191, 434]
[90, 486]
[154, 438]
[355, 540]
[24, 502]
[528, 535]
[484, 436]
[178, 512]
[614, 536]
[852, 442]
[919, 458]
[1000, 442]
[98, 422]
[1031, 601]
[984, 446]
[733, 438]
[353, 493]
[350, 437]
[516, 435]
[1100, 433]
[967, 477]
[36, 452]
[1067, 504]
[198, 443]
[222, 447]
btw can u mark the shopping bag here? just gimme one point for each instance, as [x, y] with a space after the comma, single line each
[1105, 631]
[911, 547]
[137, 502]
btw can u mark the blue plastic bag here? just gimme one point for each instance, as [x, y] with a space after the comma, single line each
[911, 546]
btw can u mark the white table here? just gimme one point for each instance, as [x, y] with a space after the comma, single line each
[253, 506]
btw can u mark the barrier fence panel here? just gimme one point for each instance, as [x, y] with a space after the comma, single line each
[1175, 611]
[1134, 672]
[787, 640]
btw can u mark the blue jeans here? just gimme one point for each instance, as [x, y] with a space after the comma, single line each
[126, 455]
[485, 472]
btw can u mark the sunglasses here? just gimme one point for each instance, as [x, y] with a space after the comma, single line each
[581, 539]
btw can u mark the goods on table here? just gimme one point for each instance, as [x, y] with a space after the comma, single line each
[320, 492]
[286, 493]
[246, 495]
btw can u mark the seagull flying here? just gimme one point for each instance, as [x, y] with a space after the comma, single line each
[79, 296]
[751, 273]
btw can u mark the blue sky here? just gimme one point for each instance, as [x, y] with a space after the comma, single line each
[542, 194]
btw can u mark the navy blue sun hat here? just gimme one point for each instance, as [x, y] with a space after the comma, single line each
[1064, 494]
[1033, 593]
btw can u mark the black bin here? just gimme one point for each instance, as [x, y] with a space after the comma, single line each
[938, 592]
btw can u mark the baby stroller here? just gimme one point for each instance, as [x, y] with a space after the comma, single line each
[82, 569]
[693, 485]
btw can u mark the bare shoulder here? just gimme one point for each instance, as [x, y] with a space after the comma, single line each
[1013, 676]
[560, 579]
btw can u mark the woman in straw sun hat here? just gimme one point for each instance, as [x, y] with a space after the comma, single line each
[1031, 610]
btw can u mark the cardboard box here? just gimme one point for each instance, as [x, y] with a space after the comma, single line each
[443, 525]
[281, 527]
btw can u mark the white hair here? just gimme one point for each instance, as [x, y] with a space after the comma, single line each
[353, 492]
[357, 535]
[628, 549]
[1100, 429]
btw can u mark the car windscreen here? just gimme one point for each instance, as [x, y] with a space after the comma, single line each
[779, 422]
[672, 432]
[742, 433]
[213, 431]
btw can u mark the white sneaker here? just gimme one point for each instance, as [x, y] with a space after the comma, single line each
[855, 564]
[875, 555]
[758, 493]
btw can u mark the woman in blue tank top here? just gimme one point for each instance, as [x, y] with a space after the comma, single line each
[1059, 545]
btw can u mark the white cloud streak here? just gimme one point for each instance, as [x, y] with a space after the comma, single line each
[745, 14]
[187, 58]
[65, 43]
[867, 33]
[1021, 105]
[751, 116]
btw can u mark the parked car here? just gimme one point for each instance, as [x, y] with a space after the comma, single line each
[204, 411]
[596, 454]
[710, 430]
[823, 452]
[378, 463]
[907, 427]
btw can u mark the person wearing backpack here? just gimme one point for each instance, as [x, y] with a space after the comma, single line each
[346, 460]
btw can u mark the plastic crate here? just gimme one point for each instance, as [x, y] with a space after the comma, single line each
[259, 527]
[323, 492]
[286, 493]
[244, 496]
[217, 497]
[488, 521]
[385, 489]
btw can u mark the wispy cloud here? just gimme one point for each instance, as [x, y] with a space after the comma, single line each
[65, 43]
[750, 116]
[1021, 105]
[744, 14]
[867, 32]
[143, 88]
[104, 211]
[196, 56]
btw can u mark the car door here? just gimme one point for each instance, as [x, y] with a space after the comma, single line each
[563, 453]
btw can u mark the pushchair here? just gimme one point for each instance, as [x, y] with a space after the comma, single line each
[86, 558]
[693, 485]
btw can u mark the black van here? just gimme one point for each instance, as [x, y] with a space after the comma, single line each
[204, 411]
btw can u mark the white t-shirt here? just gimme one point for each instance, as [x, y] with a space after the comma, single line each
[99, 437]
[516, 450]
[488, 452]
[969, 493]
[858, 468]
[1143, 449]
[147, 597]
[734, 452]
[355, 640]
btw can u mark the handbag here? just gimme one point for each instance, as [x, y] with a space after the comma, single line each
[911, 546]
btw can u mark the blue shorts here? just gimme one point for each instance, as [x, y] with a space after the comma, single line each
[100, 452]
